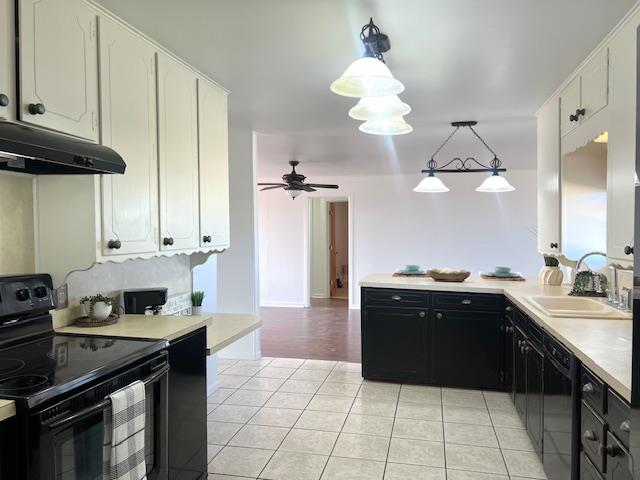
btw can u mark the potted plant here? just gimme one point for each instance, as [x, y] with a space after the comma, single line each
[196, 302]
[97, 307]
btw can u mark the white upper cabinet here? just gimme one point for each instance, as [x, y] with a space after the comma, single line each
[569, 105]
[214, 165]
[58, 66]
[549, 219]
[7, 60]
[128, 125]
[178, 155]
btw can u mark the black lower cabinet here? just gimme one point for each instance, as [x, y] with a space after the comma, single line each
[520, 374]
[467, 349]
[394, 344]
[617, 460]
[509, 331]
[535, 380]
[188, 407]
[587, 470]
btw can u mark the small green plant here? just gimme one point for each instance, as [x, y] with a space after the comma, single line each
[93, 299]
[196, 298]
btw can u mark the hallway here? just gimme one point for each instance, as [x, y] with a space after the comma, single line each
[326, 331]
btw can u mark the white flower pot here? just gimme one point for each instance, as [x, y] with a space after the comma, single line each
[196, 310]
[550, 276]
[101, 310]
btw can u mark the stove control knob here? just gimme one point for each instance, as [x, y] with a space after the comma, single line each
[22, 294]
[41, 292]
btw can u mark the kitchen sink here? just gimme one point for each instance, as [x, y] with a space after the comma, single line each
[580, 307]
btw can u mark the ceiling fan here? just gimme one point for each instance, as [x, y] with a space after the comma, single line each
[294, 183]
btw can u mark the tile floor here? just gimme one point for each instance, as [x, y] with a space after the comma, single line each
[294, 419]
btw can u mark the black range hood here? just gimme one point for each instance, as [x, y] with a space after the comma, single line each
[32, 150]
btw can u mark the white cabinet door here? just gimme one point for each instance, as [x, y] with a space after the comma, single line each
[7, 60]
[178, 156]
[595, 84]
[549, 215]
[214, 165]
[58, 66]
[569, 103]
[128, 125]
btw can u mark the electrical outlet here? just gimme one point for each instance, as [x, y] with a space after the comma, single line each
[61, 297]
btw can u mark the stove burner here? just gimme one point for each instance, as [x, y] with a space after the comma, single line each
[22, 382]
[10, 365]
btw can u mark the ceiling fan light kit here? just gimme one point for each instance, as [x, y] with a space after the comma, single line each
[294, 183]
[493, 184]
[369, 79]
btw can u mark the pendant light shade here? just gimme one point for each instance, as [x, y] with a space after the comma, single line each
[379, 108]
[431, 184]
[367, 77]
[390, 126]
[495, 184]
[293, 193]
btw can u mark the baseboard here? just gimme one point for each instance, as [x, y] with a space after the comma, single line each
[354, 306]
[282, 304]
[319, 295]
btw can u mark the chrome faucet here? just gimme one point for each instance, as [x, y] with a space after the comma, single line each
[586, 255]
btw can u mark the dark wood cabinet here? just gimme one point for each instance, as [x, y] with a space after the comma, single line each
[520, 374]
[617, 460]
[509, 331]
[534, 380]
[467, 349]
[394, 343]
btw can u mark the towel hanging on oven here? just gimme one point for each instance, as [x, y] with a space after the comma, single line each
[123, 446]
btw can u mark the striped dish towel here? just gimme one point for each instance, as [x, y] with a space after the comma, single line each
[123, 446]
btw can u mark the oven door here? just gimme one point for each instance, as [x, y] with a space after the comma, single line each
[70, 447]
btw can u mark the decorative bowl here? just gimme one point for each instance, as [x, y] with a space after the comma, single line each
[457, 276]
[502, 270]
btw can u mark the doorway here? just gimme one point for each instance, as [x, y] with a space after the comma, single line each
[339, 250]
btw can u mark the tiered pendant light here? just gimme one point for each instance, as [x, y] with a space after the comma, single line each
[369, 79]
[492, 184]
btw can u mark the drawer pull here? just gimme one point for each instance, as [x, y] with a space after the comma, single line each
[422, 314]
[588, 388]
[589, 435]
[509, 329]
[439, 316]
[466, 301]
[626, 426]
[609, 450]
[396, 298]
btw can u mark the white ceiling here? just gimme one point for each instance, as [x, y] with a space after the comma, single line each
[492, 60]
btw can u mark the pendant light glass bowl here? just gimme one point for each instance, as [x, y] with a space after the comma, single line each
[367, 77]
[390, 126]
[379, 108]
[495, 184]
[431, 184]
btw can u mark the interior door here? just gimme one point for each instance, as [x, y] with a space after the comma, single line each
[128, 125]
[59, 66]
[333, 271]
[214, 165]
[178, 155]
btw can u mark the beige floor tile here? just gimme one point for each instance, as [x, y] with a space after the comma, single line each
[259, 436]
[342, 389]
[211, 407]
[368, 425]
[215, 476]
[276, 417]
[419, 411]
[232, 413]
[464, 475]
[275, 372]
[378, 408]
[244, 370]
[348, 367]
[498, 400]
[420, 394]
[463, 398]
[251, 398]
[418, 429]
[286, 362]
[379, 391]
[514, 439]
[231, 381]
[263, 383]
[345, 377]
[220, 433]
[523, 464]
[262, 362]
[289, 400]
[308, 374]
[472, 416]
[474, 435]
[239, 461]
[220, 395]
[366, 447]
[399, 471]
[319, 364]
[300, 386]
[324, 421]
[416, 452]
[212, 451]
[330, 403]
[294, 465]
[339, 468]
[506, 419]
[475, 459]
[309, 441]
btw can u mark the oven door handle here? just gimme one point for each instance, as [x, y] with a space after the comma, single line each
[104, 403]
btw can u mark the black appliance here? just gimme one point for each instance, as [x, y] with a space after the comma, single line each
[59, 384]
[142, 301]
[33, 150]
[561, 404]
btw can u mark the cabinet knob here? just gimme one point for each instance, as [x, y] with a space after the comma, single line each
[509, 329]
[609, 450]
[4, 100]
[508, 308]
[588, 388]
[589, 435]
[206, 238]
[114, 244]
[580, 112]
[439, 316]
[553, 245]
[167, 241]
[36, 108]
[466, 301]
[573, 118]
[422, 314]
[626, 426]
[396, 298]
[628, 250]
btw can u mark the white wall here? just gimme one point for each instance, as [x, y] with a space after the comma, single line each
[393, 226]
[319, 249]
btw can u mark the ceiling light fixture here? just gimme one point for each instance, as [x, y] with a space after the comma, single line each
[493, 184]
[379, 108]
[389, 126]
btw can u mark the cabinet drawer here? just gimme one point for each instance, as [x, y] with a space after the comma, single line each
[396, 298]
[593, 391]
[468, 301]
[618, 417]
[521, 320]
[587, 470]
[592, 430]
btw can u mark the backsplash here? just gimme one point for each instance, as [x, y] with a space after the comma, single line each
[16, 224]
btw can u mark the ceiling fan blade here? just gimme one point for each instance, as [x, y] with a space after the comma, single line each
[322, 185]
[272, 187]
[278, 184]
[306, 188]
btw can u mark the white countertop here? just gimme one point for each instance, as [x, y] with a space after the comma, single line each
[603, 345]
[226, 328]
